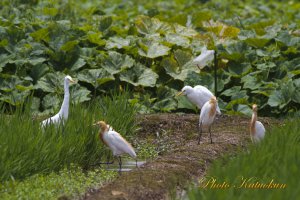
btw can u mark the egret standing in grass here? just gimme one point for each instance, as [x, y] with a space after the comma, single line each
[63, 113]
[117, 144]
[207, 116]
[257, 129]
[198, 95]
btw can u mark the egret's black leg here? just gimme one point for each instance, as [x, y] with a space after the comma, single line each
[210, 134]
[136, 165]
[120, 164]
[200, 132]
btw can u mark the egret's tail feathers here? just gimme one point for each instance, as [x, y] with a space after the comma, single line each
[132, 153]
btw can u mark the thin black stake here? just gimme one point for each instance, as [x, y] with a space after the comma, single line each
[216, 64]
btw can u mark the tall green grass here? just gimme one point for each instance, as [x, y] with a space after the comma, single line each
[27, 149]
[277, 157]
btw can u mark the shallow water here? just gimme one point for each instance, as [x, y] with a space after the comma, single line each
[127, 165]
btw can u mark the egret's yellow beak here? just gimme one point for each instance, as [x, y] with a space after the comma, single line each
[179, 94]
[72, 81]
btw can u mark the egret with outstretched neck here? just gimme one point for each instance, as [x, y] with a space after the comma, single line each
[257, 129]
[117, 144]
[198, 95]
[63, 113]
[207, 117]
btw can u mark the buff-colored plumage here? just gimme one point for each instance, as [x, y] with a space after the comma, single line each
[114, 141]
[257, 129]
[207, 116]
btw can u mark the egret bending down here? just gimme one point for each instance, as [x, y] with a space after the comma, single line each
[257, 129]
[117, 144]
[207, 116]
[198, 95]
[63, 113]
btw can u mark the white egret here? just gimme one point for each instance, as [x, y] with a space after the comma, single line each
[198, 95]
[207, 116]
[257, 129]
[204, 58]
[63, 113]
[117, 144]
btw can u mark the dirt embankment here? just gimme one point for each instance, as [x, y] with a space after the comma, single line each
[185, 160]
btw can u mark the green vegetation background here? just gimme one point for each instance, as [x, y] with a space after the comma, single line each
[148, 46]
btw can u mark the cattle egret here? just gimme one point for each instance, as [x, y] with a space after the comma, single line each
[198, 95]
[257, 129]
[117, 144]
[204, 58]
[207, 116]
[63, 113]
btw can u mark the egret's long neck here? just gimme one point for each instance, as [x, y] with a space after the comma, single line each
[253, 121]
[64, 110]
[213, 108]
[101, 135]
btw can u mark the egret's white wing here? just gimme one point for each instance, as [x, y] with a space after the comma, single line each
[204, 90]
[260, 130]
[205, 94]
[199, 96]
[204, 58]
[118, 144]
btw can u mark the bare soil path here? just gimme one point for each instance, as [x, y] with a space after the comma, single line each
[183, 162]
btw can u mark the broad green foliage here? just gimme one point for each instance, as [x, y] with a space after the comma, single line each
[276, 157]
[148, 46]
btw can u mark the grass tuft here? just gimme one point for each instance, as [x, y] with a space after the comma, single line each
[26, 149]
[276, 158]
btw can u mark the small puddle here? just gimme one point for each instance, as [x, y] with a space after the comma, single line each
[127, 165]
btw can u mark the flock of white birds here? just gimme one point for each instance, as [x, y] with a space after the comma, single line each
[198, 95]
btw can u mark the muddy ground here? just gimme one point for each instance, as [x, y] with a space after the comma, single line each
[182, 160]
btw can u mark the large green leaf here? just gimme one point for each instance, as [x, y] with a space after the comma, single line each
[139, 75]
[14, 90]
[239, 69]
[105, 23]
[152, 49]
[166, 102]
[78, 64]
[178, 40]
[286, 38]
[252, 39]
[96, 38]
[41, 34]
[283, 96]
[184, 31]
[251, 82]
[4, 59]
[79, 94]
[179, 65]
[146, 25]
[116, 62]
[234, 51]
[296, 95]
[51, 103]
[118, 42]
[38, 71]
[51, 82]
[96, 77]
